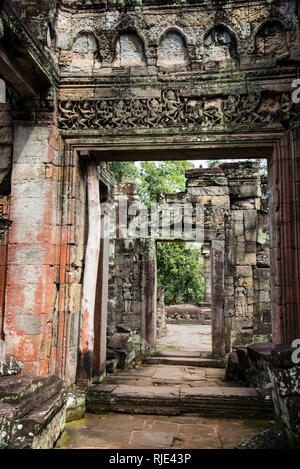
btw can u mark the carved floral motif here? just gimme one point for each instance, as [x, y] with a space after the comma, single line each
[174, 110]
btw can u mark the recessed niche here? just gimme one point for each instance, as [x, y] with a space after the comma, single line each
[220, 45]
[129, 51]
[85, 43]
[172, 50]
[271, 40]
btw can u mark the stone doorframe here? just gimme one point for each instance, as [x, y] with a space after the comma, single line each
[282, 151]
[217, 255]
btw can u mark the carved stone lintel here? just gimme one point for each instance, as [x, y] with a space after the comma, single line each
[173, 110]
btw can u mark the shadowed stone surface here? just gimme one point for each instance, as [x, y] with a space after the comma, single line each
[32, 411]
[170, 400]
[118, 431]
[26, 393]
[269, 439]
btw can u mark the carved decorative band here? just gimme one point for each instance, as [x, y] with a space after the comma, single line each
[175, 110]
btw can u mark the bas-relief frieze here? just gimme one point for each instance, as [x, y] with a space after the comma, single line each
[173, 109]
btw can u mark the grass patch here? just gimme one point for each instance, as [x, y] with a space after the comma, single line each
[63, 440]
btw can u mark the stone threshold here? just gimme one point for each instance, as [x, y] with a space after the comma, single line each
[185, 361]
[216, 402]
[182, 354]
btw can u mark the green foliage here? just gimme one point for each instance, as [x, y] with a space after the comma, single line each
[215, 163]
[3, 445]
[161, 177]
[125, 171]
[152, 177]
[180, 272]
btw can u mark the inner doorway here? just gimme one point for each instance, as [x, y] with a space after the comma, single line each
[183, 304]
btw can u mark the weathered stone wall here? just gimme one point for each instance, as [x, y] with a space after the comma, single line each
[126, 271]
[127, 302]
[236, 212]
[155, 39]
[160, 311]
[247, 268]
[125, 283]
[33, 243]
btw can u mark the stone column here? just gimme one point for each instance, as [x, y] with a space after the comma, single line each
[86, 345]
[217, 296]
[33, 246]
[284, 196]
[207, 276]
[149, 293]
[100, 321]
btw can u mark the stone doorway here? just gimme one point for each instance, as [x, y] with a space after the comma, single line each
[183, 300]
[105, 151]
[237, 266]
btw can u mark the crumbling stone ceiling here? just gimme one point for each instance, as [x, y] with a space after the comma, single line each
[36, 15]
[25, 63]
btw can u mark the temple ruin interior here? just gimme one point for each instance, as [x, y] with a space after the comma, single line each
[149, 224]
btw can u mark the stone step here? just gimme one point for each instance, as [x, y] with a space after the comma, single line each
[201, 322]
[185, 361]
[179, 354]
[26, 393]
[216, 402]
[41, 428]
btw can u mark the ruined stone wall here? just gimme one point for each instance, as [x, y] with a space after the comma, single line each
[127, 270]
[160, 311]
[235, 203]
[247, 266]
[33, 241]
[157, 57]
[153, 39]
[127, 304]
[125, 283]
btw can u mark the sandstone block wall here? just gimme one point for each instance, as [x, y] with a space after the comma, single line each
[33, 247]
[128, 278]
[247, 278]
[235, 203]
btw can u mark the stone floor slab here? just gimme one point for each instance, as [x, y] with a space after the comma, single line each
[155, 432]
[186, 338]
[168, 374]
[153, 439]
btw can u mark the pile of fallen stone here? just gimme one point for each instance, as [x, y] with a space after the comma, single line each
[186, 313]
[32, 408]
